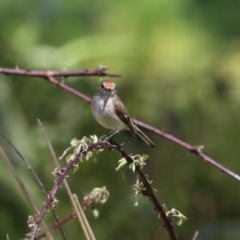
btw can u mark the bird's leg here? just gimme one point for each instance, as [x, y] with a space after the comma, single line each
[111, 135]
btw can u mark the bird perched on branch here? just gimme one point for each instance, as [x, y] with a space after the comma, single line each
[110, 112]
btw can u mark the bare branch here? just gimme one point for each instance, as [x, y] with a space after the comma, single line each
[36, 177]
[84, 223]
[197, 150]
[100, 71]
[59, 182]
[195, 235]
[86, 203]
[24, 191]
[62, 85]
[78, 211]
[65, 220]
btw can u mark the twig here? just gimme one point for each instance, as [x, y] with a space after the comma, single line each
[25, 161]
[58, 183]
[195, 235]
[84, 223]
[86, 203]
[57, 225]
[36, 177]
[100, 71]
[149, 191]
[24, 191]
[197, 150]
[78, 211]
[62, 85]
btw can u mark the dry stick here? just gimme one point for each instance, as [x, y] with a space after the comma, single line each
[24, 190]
[36, 177]
[80, 214]
[59, 183]
[192, 149]
[68, 89]
[100, 71]
[64, 220]
[71, 216]
[25, 161]
[84, 218]
[195, 235]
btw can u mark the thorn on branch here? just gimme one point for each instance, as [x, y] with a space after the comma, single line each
[31, 221]
[197, 149]
[144, 193]
[102, 70]
[56, 173]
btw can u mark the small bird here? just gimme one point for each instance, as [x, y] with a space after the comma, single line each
[110, 112]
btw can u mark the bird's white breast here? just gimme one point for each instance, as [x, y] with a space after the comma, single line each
[104, 112]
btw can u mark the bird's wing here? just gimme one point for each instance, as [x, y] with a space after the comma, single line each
[122, 113]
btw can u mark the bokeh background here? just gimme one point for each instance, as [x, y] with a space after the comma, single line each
[179, 62]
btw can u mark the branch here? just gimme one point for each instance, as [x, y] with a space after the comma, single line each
[88, 201]
[78, 211]
[197, 150]
[51, 197]
[57, 225]
[100, 71]
[62, 85]
[24, 190]
[149, 191]
[35, 176]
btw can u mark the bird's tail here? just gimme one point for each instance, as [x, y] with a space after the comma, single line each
[143, 136]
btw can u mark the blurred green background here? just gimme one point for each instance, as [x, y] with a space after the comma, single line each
[179, 62]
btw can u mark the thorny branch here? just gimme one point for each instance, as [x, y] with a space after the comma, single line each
[149, 191]
[36, 177]
[100, 71]
[197, 150]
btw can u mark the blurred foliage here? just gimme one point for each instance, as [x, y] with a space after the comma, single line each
[179, 62]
